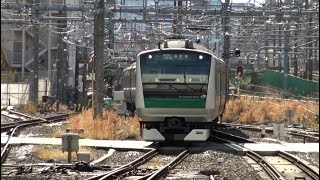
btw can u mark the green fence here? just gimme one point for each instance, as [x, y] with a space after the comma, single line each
[296, 86]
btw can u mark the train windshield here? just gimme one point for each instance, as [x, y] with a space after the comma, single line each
[184, 72]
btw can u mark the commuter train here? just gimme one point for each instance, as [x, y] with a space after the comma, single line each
[178, 91]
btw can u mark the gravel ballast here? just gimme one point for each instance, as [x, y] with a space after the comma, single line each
[219, 165]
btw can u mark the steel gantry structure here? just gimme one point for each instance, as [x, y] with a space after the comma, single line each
[271, 28]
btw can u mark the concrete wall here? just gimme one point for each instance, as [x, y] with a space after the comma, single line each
[18, 93]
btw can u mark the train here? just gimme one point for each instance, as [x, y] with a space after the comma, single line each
[178, 90]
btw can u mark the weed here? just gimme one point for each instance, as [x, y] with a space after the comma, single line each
[271, 110]
[109, 126]
[47, 152]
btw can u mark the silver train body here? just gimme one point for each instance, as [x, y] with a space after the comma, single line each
[178, 91]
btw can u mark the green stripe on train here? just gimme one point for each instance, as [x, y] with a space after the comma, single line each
[174, 103]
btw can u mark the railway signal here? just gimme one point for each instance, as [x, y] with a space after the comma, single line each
[239, 71]
[236, 52]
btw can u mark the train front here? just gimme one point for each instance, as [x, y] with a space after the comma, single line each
[171, 95]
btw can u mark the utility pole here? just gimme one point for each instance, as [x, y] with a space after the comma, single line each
[35, 82]
[111, 30]
[226, 41]
[84, 74]
[310, 55]
[179, 19]
[62, 64]
[98, 59]
[49, 49]
[295, 50]
[279, 18]
[286, 59]
[175, 18]
[79, 53]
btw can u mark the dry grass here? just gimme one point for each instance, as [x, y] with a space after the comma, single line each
[62, 107]
[30, 107]
[47, 152]
[247, 111]
[33, 107]
[109, 126]
[242, 110]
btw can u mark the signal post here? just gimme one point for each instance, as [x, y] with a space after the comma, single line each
[239, 74]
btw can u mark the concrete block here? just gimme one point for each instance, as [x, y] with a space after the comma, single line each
[83, 156]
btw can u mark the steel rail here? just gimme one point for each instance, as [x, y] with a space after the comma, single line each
[10, 117]
[164, 170]
[6, 126]
[32, 120]
[234, 138]
[314, 136]
[7, 147]
[300, 164]
[127, 167]
[307, 136]
[45, 118]
[16, 125]
[272, 172]
[21, 114]
[266, 166]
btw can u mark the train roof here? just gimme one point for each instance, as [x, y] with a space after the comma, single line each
[181, 44]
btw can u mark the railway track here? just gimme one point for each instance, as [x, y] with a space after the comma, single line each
[127, 168]
[163, 171]
[131, 169]
[234, 138]
[13, 127]
[270, 165]
[30, 120]
[300, 164]
[300, 134]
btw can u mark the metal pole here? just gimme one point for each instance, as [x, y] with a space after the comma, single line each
[62, 64]
[49, 49]
[295, 59]
[8, 94]
[35, 82]
[69, 149]
[98, 59]
[144, 10]
[179, 16]
[279, 18]
[76, 76]
[286, 59]
[226, 42]
[309, 60]
[84, 79]
[175, 18]
[46, 90]
[23, 51]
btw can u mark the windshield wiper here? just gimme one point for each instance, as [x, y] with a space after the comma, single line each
[179, 90]
[204, 83]
[193, 90]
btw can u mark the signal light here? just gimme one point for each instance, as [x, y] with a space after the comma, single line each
[236, 52]
[239, 71]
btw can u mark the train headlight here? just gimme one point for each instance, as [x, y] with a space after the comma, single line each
[150, 56]
[200, 57]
